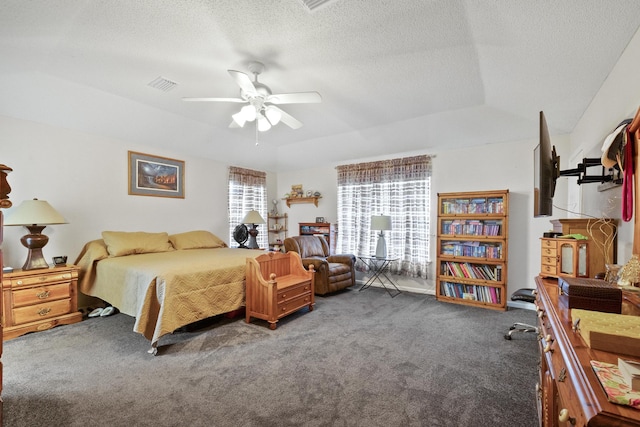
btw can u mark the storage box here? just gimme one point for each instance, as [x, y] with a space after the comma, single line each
[591, 294]
[615, 333]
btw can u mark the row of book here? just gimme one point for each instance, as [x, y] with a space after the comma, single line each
[471, 271]
[473, 206]
[471, 292]
[471, 227]
[472, 249]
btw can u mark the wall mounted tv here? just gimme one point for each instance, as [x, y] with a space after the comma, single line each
[546, 172]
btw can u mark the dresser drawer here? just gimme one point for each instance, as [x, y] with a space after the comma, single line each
[548, 269]
[40, 294]
[549, 260]
[550, 252]
[293, 291]
[39, 279]
[41, 311]
[291, 305]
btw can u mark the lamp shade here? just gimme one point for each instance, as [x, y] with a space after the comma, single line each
[381, 222]
[34, 212]
[253, 217]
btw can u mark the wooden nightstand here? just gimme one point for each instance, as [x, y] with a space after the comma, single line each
[37, 300]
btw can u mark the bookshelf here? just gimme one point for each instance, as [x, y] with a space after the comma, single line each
[472, 248]
[325, 229]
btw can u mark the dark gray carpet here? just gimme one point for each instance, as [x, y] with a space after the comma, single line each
[359, 359]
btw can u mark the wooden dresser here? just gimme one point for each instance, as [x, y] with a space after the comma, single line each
[569, 392]
[37, 300]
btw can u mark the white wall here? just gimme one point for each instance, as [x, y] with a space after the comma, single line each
[85, 176]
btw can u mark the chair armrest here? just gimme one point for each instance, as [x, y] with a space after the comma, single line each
[343, 259]
[316, 262]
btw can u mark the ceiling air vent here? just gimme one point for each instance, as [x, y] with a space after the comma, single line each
[313, 5]
[162, 84]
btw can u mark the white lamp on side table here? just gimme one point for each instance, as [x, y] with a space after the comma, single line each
[382, 223]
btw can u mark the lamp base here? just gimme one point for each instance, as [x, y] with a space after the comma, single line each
[381, 248]
[34, 242]
[253, 232]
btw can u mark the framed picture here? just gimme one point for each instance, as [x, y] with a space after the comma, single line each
[155, 176]
[320, 219]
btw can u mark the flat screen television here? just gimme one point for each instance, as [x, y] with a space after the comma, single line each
[546, 172]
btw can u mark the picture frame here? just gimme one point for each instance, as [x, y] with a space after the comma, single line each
[156, 176]
[320, 219]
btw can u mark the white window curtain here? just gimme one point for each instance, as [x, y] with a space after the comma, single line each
[399, 188]
[247, 191]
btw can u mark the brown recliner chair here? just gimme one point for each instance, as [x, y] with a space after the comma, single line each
[333, 272]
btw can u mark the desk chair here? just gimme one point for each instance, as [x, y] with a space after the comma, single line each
[526, 295]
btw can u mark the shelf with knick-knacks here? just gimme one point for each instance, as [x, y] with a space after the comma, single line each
[278, 228]
[297, 195]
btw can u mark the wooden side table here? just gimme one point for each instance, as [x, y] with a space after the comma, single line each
[37, 300]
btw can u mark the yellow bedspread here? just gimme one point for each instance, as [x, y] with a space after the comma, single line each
[165, 291]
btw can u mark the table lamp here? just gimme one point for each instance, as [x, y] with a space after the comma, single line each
[382, 223]
[35, 215]
[253, 218]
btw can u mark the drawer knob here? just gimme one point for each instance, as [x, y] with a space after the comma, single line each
[562, 376]
[19, 282]
[563, 417]
[44, 311]
[42, 278]
[284, 295]
[43, 294]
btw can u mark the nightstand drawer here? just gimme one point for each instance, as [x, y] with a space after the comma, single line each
[40, 294]
[41, 311]
[39, 279]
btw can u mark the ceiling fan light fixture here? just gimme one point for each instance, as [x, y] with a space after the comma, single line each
[263, 124]
[248, 112]
[239, 118]
[273, 115]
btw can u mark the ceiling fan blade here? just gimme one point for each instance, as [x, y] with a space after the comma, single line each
[287, 118]
[243, 81]
[295, 98]
[214, 99]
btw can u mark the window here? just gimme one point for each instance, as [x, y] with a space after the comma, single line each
[400, 188]
[247, 191]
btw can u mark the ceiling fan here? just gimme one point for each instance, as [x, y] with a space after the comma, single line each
[261, 102]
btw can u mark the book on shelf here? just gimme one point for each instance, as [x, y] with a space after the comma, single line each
[630, 371]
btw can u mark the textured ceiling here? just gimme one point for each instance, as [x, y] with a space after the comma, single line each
[396, 76]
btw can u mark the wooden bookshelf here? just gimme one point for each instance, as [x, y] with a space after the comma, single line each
[472, 248]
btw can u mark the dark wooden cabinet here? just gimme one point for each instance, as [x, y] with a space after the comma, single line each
[568, 391]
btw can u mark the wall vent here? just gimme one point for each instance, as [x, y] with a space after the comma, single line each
[313, 5]
[162, 84]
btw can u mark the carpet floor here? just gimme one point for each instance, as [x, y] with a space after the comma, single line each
[358, 359]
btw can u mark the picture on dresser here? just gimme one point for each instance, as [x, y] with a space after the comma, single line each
[155, 176]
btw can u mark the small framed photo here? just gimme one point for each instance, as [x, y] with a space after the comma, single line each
[320, 219]
[155, 176]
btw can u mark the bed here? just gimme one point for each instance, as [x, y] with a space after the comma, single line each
[165, 282]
